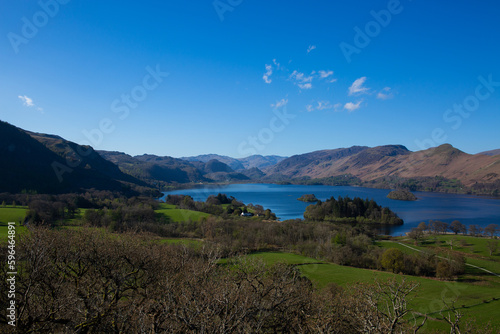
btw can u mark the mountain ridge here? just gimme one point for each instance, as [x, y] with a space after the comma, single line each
[370, 164]
[258, 161]
[491, 152]
[37, 163]
[165, 170]
[28, 160]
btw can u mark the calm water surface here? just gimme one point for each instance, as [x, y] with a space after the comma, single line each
[282, 200]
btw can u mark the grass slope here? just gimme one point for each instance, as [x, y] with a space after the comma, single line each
[472, 245]
[428, 299]
[180, 215]
[474, 249]
[11, 214]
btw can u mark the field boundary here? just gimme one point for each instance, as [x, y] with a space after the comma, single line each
[467, 264]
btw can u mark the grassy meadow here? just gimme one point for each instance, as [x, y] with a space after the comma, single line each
[11, 214]
[479, 299]
[180, 215]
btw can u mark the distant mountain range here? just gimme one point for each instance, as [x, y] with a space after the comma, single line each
[203, 168]
[393, 160]
[394, 165]
[257, 161]
[151, 168]
[166, 170]
[34, 162]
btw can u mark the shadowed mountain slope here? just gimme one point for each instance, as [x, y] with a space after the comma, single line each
[40, 163]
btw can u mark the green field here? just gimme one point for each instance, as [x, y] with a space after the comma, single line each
[11, 214]
[4, 229]
[180, 215]
[472, 245]
[474, 249]
[76, 220]
[391, 244]
[428, 298]
[288, 258]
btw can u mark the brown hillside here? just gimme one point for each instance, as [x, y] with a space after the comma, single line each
[492, 152]
[372, 163]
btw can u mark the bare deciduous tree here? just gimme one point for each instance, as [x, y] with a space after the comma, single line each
[492, 246]
[382, 306]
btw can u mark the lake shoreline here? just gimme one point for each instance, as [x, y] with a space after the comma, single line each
[282, 200]
[218, 184]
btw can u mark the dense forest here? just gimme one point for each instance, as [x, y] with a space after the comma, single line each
[345, 209]
[308, 198]
[402, 195]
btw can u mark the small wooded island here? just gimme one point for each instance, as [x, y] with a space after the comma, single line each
[355, 210]
[402, 195]
[308, 198]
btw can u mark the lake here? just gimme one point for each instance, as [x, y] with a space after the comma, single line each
[282, 200]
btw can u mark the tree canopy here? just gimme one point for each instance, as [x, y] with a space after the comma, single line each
[351, 210]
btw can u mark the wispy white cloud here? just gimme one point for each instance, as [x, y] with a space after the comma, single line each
[357, 87]
[28, 102]
[276, 64]
[301, 80]
[280, 103]
[299, 76]
[305, 86]
[323, 105]
[310, 48]
[352, 106]
[385, 94]
[267, 75]
[325, 74]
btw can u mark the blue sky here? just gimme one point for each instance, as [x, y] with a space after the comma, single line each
[236, 77]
